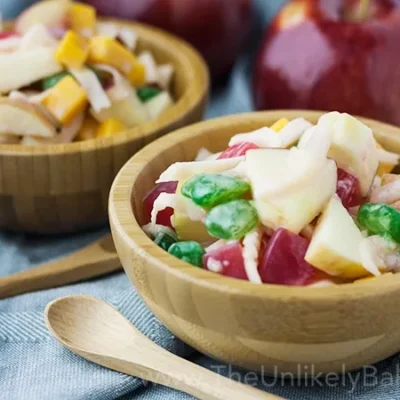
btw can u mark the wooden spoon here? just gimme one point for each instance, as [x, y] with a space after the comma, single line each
[96, 259]
[97, 332]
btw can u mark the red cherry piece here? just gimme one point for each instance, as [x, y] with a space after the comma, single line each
[230, 260]
[348, 189]
[163, 217]
[283, 260]
[238, 149]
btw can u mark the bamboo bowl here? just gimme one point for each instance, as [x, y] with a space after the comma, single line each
[266, 328]
[65, 187]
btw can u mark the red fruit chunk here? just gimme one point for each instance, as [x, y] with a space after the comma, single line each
[348, 189]
[163, 217]
[238, 149]
[283, 261]
[230, 259]
[6, 35]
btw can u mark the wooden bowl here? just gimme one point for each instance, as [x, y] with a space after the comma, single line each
[65, 187]
[266, 328]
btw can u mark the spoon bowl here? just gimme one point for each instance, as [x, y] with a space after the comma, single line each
[97, 332]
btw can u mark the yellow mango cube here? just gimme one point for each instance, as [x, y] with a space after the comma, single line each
[72, 51]
[105, 50]
[110, 127]
[280, 124]
[82, 19]
[88, 130]
[66, 100]
[137, 76]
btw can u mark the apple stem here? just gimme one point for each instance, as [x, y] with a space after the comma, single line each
[363, 10]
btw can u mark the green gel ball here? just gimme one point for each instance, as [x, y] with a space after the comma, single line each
[146, 93]
[191, 252]
[164, 240]
[232, 220]
[209, 190]
[380, 219]
[52, 80]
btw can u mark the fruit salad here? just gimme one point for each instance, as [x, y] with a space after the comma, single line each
[291, 204]
[66, 76]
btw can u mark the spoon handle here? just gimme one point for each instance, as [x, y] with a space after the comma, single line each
[143, 359]
[96, 259]
[205, 384]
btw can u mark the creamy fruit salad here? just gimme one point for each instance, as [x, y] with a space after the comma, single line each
[66, 76]
[291, 204]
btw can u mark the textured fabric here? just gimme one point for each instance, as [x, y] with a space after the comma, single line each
[33, 366]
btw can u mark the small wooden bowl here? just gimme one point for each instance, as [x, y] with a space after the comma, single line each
[65, 188]
[266, 328]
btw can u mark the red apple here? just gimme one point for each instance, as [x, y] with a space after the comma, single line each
[332, 55]
[217, 28]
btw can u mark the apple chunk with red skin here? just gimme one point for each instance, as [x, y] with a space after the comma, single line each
[318, 55]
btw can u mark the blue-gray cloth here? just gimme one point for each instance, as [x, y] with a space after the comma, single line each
[33, 366]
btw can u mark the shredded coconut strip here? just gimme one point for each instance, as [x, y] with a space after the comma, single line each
[163, 201]
[263, 137]
[147, 59]
[267, 138]
[165, 73]
[251, 247]
[386, 194]
[184, 170]
[293, 131]
[121, 88]
[96, 94]
[387, 157]
[202, 154]
[128, 37]
[205, 155]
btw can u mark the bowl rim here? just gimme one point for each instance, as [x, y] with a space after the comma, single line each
[199, 81]
[126, 228]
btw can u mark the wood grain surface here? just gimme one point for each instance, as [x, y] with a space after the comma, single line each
[96, 259]
[97, 332]
[266, 328]
[65, 187]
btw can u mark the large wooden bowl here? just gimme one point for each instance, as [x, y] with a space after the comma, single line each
[267, 328]
[64, 188]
